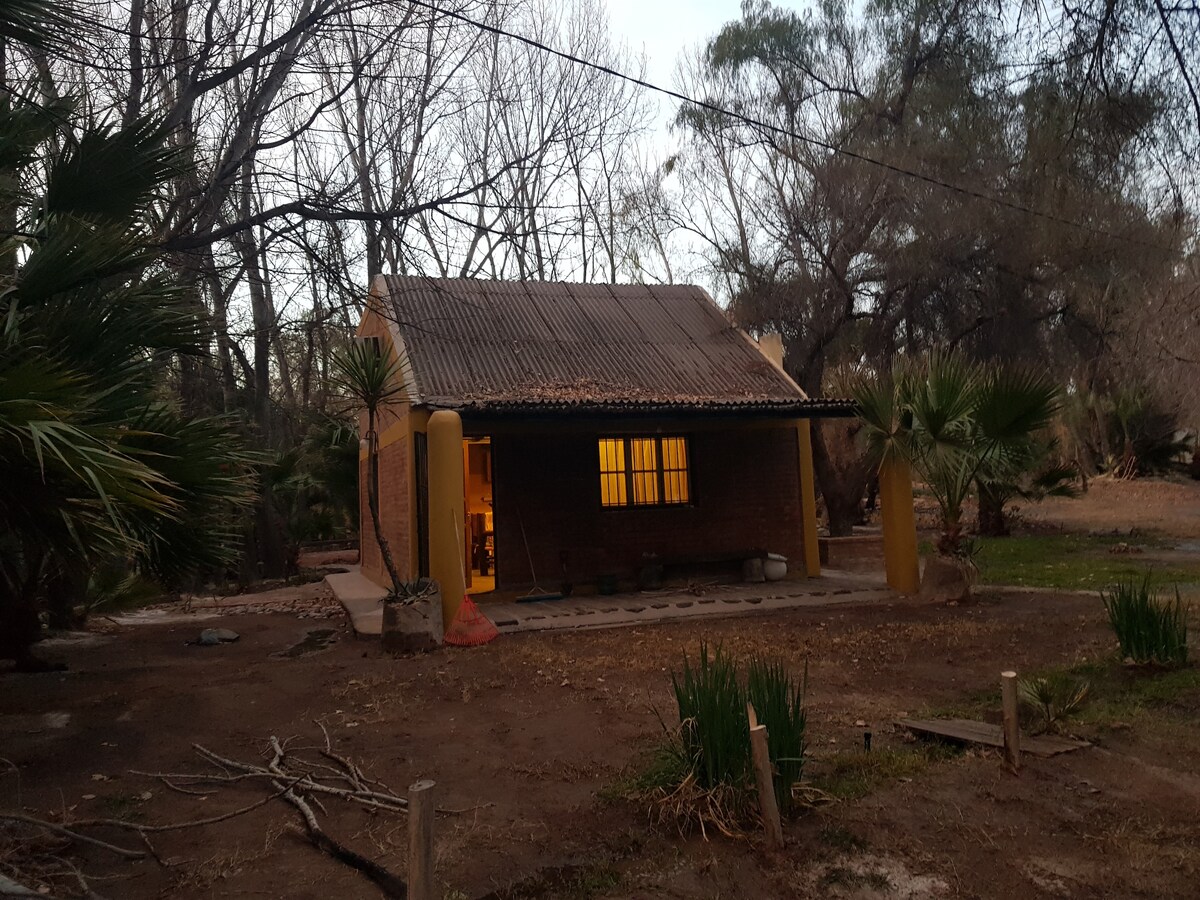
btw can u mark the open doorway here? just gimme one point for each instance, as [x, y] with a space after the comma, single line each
[479, 541]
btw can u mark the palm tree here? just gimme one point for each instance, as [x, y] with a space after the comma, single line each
[374, 380]
[959, 424]
[97, 465]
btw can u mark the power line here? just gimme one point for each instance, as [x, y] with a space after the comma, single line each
[779, 130]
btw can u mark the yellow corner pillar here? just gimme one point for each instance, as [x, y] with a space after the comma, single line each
[446, 503]
[808, 500]
[899, 527]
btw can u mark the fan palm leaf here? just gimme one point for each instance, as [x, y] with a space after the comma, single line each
[959, 424]
[94, 465]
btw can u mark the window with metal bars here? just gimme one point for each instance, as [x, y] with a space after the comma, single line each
[644, 471]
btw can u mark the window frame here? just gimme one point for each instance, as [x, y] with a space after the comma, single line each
[660, 471]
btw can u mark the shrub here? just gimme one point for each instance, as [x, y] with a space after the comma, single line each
[779, 704]
[1055, 697]
[714, 732]
[1148, 629]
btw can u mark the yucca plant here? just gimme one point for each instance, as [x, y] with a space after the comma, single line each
[1149, 629]
[1054, 697]
[714, 733]
[373, 380]
[778, 701]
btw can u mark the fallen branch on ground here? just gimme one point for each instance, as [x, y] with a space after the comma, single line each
[301, 776]
[302, 785]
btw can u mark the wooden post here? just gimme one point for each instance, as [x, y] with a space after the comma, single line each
[766, 785]
[420, 841]
[1012, 724]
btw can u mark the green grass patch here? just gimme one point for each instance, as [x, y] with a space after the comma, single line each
[1116, 693]
[853, 775]
[1071, 562]
[591, 882]
[662, 767]
[1121, 693]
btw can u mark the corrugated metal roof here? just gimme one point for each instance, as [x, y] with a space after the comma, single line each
[508, 346]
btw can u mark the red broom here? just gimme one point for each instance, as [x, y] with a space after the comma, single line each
[470, 627]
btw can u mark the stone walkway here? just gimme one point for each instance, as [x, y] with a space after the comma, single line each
[363, 600]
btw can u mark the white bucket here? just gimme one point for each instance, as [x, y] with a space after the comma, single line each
[775, 567]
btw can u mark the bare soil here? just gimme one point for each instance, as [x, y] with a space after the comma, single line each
[529, 739]
[1167, 507]
[533, 729]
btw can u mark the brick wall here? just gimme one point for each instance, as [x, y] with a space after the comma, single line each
[394, 509]
[745, 486]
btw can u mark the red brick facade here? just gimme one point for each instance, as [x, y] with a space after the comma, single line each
[395, 505]
[746, 498]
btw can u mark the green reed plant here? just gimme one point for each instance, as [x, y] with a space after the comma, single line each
[778, 701]
[1149, 629]
[714, 733]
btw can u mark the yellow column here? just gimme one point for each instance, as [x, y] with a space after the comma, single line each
[808, 500]
[899, 527]
[446, 501]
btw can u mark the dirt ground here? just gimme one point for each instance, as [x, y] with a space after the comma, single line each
[1167, 507]
[529, 738]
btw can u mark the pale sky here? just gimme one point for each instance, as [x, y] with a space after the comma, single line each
[663, 29]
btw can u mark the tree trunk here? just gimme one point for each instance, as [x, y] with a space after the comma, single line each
[20, 625]
[65, 589]
[373, 502]
[843, 512]
[990, 520]
[841, 472]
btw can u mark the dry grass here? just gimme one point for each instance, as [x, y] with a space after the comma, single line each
[689, 808]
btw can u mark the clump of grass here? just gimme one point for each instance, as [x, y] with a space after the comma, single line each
[703, 775]
[1148, 628]
[1054, 697]
[714, 733]
[778, 701]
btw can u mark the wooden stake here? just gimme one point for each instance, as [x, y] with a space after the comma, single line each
[420, 841]
[766, 787]
[1012, 724]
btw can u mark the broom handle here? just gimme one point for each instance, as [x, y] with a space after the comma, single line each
[525, 540]
[458, 540]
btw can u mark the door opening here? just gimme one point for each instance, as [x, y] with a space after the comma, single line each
[479, 544]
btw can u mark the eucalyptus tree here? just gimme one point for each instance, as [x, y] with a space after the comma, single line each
[918, 175]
